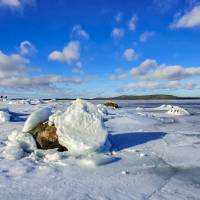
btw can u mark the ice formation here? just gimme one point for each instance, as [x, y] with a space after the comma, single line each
[173, 110]
[102, 109]
[4, 116]
[36, 118]
[80, 128]
[19, 145]
[176, 110]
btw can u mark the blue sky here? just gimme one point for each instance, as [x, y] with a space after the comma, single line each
[64, 48]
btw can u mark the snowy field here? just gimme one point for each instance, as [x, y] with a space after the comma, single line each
[155, 154]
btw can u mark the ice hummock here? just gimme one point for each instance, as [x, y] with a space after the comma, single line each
[176, 110]
[36, 118]
[80, 128]
[19, 144]
[172, 109]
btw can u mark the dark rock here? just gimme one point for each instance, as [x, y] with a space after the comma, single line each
[46, 137]
[111, 104]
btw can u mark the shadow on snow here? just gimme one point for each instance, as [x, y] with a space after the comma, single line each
[126, 140]
[18, 117]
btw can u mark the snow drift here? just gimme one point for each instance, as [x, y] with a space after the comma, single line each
[80, 128]
[36, 118]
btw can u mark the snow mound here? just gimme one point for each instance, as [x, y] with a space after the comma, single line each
[4, 116]
[36, 118]
[176, 110]
[80, 128]
[19, 145]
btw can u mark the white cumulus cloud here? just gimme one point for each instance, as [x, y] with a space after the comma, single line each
[132, 23]
[14, 74]
[26, 48]
[79, 31]
[71, 52]
[16, 3]
[189, 19]
[117, 33]
[130, 54]
[146, 35]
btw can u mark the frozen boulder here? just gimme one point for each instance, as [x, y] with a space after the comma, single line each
[4, 116]
[46, 137]
[80, 128]
[37, 117]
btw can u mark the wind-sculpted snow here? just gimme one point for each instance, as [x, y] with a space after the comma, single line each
[154, 155]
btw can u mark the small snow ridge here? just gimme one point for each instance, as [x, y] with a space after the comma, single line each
[80, 128]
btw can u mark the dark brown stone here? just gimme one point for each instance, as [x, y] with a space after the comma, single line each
[46, 137]
[111, 104]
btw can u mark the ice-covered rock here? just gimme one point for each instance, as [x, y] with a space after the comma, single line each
[47, 137]
[80, 128]
[37, 117]
[19, 145]
[176, 110]
[4, 116]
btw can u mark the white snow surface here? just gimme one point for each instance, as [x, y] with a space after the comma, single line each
[36, 118]
[80, 128]
[154, 156]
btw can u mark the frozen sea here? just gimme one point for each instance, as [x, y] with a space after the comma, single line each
[154, 155]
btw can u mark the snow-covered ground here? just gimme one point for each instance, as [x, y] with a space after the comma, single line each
[155, 154]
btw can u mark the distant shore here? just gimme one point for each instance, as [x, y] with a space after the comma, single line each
[131, 97]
